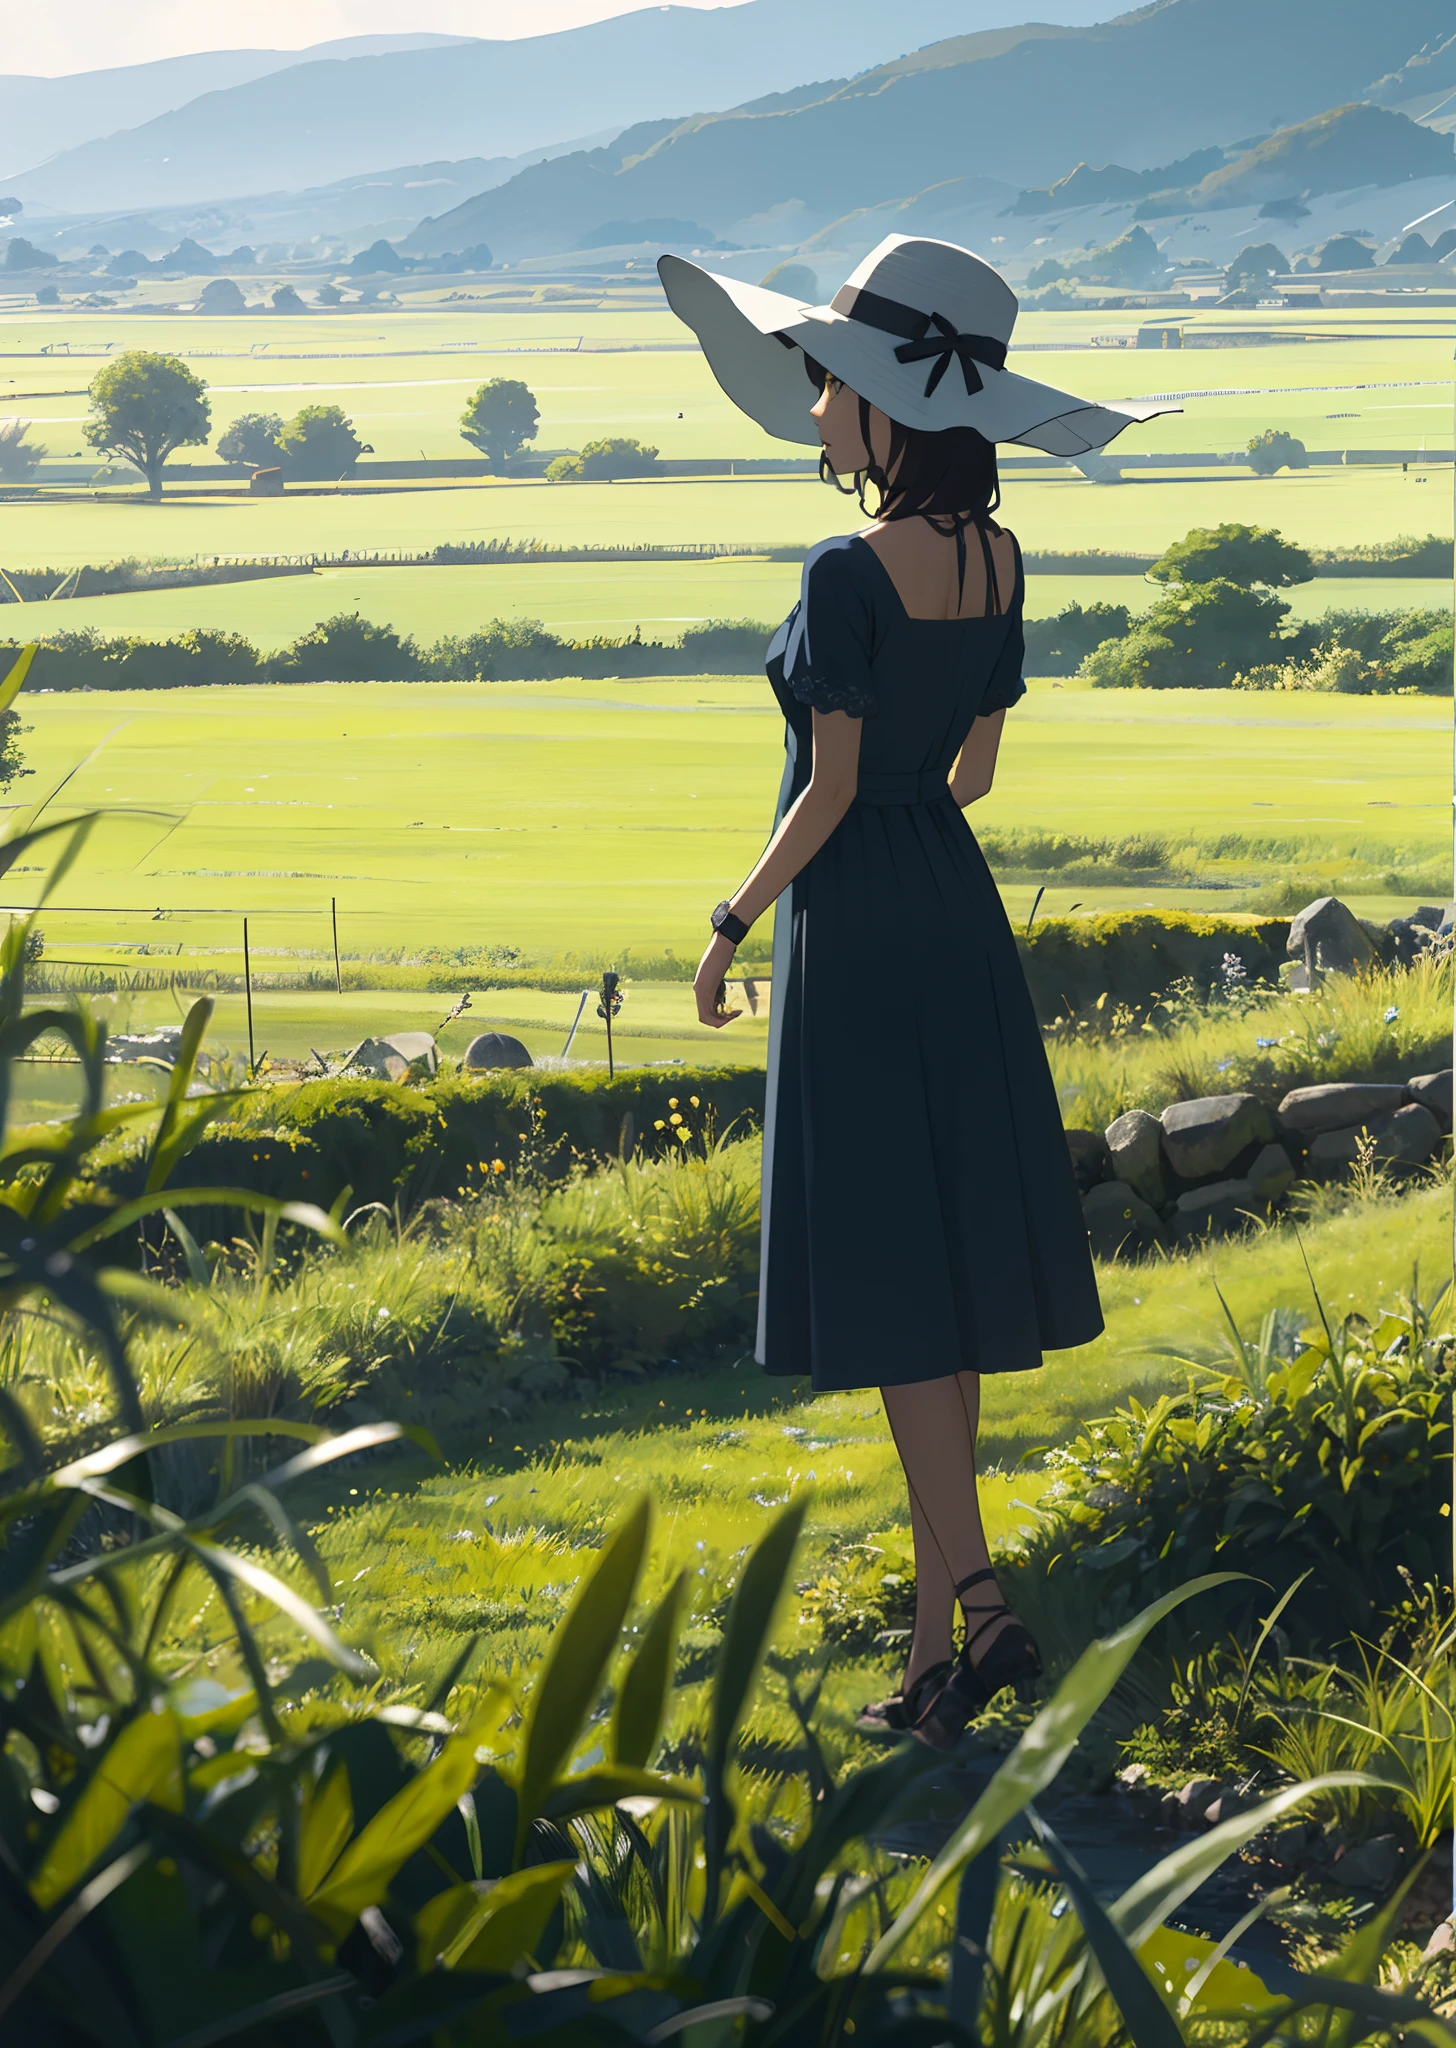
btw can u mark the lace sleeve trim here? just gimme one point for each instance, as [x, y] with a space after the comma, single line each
[822, 694]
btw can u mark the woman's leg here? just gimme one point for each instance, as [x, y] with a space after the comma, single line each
[934, 1424]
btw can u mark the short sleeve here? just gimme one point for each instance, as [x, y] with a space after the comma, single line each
[1006, 686]
[831, 639]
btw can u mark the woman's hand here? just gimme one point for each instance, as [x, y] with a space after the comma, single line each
[708, 980]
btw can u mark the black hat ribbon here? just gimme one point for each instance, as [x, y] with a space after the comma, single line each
[921, 345]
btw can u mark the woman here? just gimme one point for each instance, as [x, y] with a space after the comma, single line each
[921, 1225]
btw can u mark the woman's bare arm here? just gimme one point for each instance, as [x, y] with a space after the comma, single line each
[805, 826]
[975, 770]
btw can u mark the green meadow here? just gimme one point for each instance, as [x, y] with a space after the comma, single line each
[602, 816]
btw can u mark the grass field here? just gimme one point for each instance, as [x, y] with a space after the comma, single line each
[583, 598]
[404, 376]
[554, 816]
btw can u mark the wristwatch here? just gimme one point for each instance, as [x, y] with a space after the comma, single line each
[728, 926]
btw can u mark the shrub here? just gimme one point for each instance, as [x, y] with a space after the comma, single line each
[347, 648]
[19, 455]
[1245, 555]
[1274, 450]
[618, 456]
[252, 439]
[1057, 647]
[320, 443]
[726, 647]
[1199, 636]
[1134, 957]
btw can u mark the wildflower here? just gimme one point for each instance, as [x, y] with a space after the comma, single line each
[675, 1118]
[685, 1136]
[659, 1125]
[672, 1102]
[1222, 1066]
[1392, 1013]
[497, 1166]
[1265, 1043]
[694, 1101]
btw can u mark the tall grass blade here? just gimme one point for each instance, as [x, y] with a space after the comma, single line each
[647, 1683]
[576, 1664]
[1149, 2022]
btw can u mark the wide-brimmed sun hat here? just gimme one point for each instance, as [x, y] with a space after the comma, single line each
[920, 329]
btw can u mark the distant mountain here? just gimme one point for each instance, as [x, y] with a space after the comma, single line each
[39, 117]
[1144, 89]
[1335, 152]
[313, 123]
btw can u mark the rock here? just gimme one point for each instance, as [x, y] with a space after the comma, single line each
[1134, 1146]
[1213, 1211]
[1132, 1777]
[1288, 1846]
[496, 1049]
[1374, 1867]
[1431, 915]
[1409, 1138]
[1408, 940]
[1205, 1137]
[1329, 937]
[1228, 1806]
[1120, 1224]
[1442, 1939]
[1336, 1104]
[1432, 1092]
[1090, 1161]
[1195, 1796]
[1271, 1174]
[400, 1056]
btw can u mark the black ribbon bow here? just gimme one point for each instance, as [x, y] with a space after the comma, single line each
[969, 350]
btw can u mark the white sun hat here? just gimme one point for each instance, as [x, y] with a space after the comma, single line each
[920, 329]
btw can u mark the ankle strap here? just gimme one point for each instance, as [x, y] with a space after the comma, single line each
[975, 1579]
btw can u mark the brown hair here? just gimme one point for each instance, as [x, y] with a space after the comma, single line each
[946, 474]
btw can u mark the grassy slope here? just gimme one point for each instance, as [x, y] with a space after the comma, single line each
[488, 1544]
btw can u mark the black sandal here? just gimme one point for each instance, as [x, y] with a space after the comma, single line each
[897, 1715]
[1013, 1659]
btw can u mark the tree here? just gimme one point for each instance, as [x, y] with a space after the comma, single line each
[23, 255]
[1255, 262]
[1274, 450]
[18, 455]
[221, 295]
[500, 419]
[378, 258]
[1198, 636]
[146, 407]
[1343, 252]
[320, 442]
[618, 456]
[1245, 555]
[328, 295]
[286, 300]
[252, 439]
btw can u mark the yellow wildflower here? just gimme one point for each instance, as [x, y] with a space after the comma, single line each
[674, 1118]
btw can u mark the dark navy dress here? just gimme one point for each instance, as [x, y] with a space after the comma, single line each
[919, 1212]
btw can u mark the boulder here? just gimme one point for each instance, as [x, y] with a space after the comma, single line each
[1408, 940]
[1329, 937]
[1134, 1145]
[496, 1049]
[1335, 1104]
[1431, 915]
[1206, 1137]
[1090, 1161]
[1271, 1174]
[1195, 1795]
[1374, 1867]
[1120, 1224]
[399, 1056]
[1409, 1138]
[1288, 1847]
[160, 1046]
[1214, 1211]
[1432, 1092]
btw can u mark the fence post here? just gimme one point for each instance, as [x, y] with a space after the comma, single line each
[248, 991]
[338, 972]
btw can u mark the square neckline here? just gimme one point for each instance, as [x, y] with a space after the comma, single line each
[969, 618]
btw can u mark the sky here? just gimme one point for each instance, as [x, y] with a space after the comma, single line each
[89, 35]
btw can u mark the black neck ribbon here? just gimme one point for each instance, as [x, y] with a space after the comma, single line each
[920, 345]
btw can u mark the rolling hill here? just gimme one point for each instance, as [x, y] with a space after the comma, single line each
[1335, 152]
[1149, 86]
[333, 117]
[41, 116]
